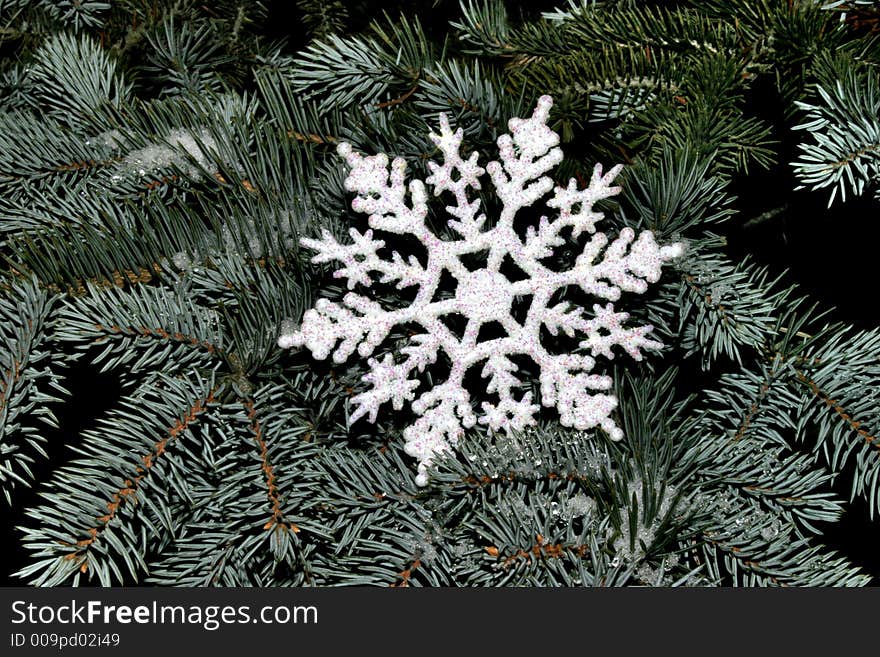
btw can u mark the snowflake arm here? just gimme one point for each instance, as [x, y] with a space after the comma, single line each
[381, 194]
[391, 382]
[445, 411]
[632, 340]
[527, 153]
[360, 258]
[573, 396]
[443, 178]
[575, 211]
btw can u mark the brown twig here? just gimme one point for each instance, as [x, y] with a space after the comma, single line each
[399, 99]
[147, 332]
[277, 519]
[833, 404]
[541, 549]
[130, 486]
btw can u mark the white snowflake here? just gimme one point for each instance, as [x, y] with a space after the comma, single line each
[485, 295]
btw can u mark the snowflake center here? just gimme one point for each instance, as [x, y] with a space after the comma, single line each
[484, 295]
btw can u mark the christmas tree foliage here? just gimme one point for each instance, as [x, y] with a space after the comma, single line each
[331, 293]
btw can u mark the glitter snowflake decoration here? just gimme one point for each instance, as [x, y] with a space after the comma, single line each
[485, 295]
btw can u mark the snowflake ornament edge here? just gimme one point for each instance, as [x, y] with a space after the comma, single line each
[527, 153]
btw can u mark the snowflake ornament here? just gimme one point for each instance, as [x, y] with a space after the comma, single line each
[394, 206]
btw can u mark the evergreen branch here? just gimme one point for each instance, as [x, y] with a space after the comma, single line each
[400, 99]
[78, 83]
[837, 382]
[484, 24]
[843, 124]
[406, 574]
[94, 531]
[38, 150]
[342, 71]
[277, 519]
[475, 94]
[323, 17]
[655, 27]
[185, 57]
[303, 120]
[832, 404]
[72, 257]
[150, 325]
[223, 538]
[677, 195]
[130, 486]
[26, 373]
[725, 308]
[540, 550]
[158, 332]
